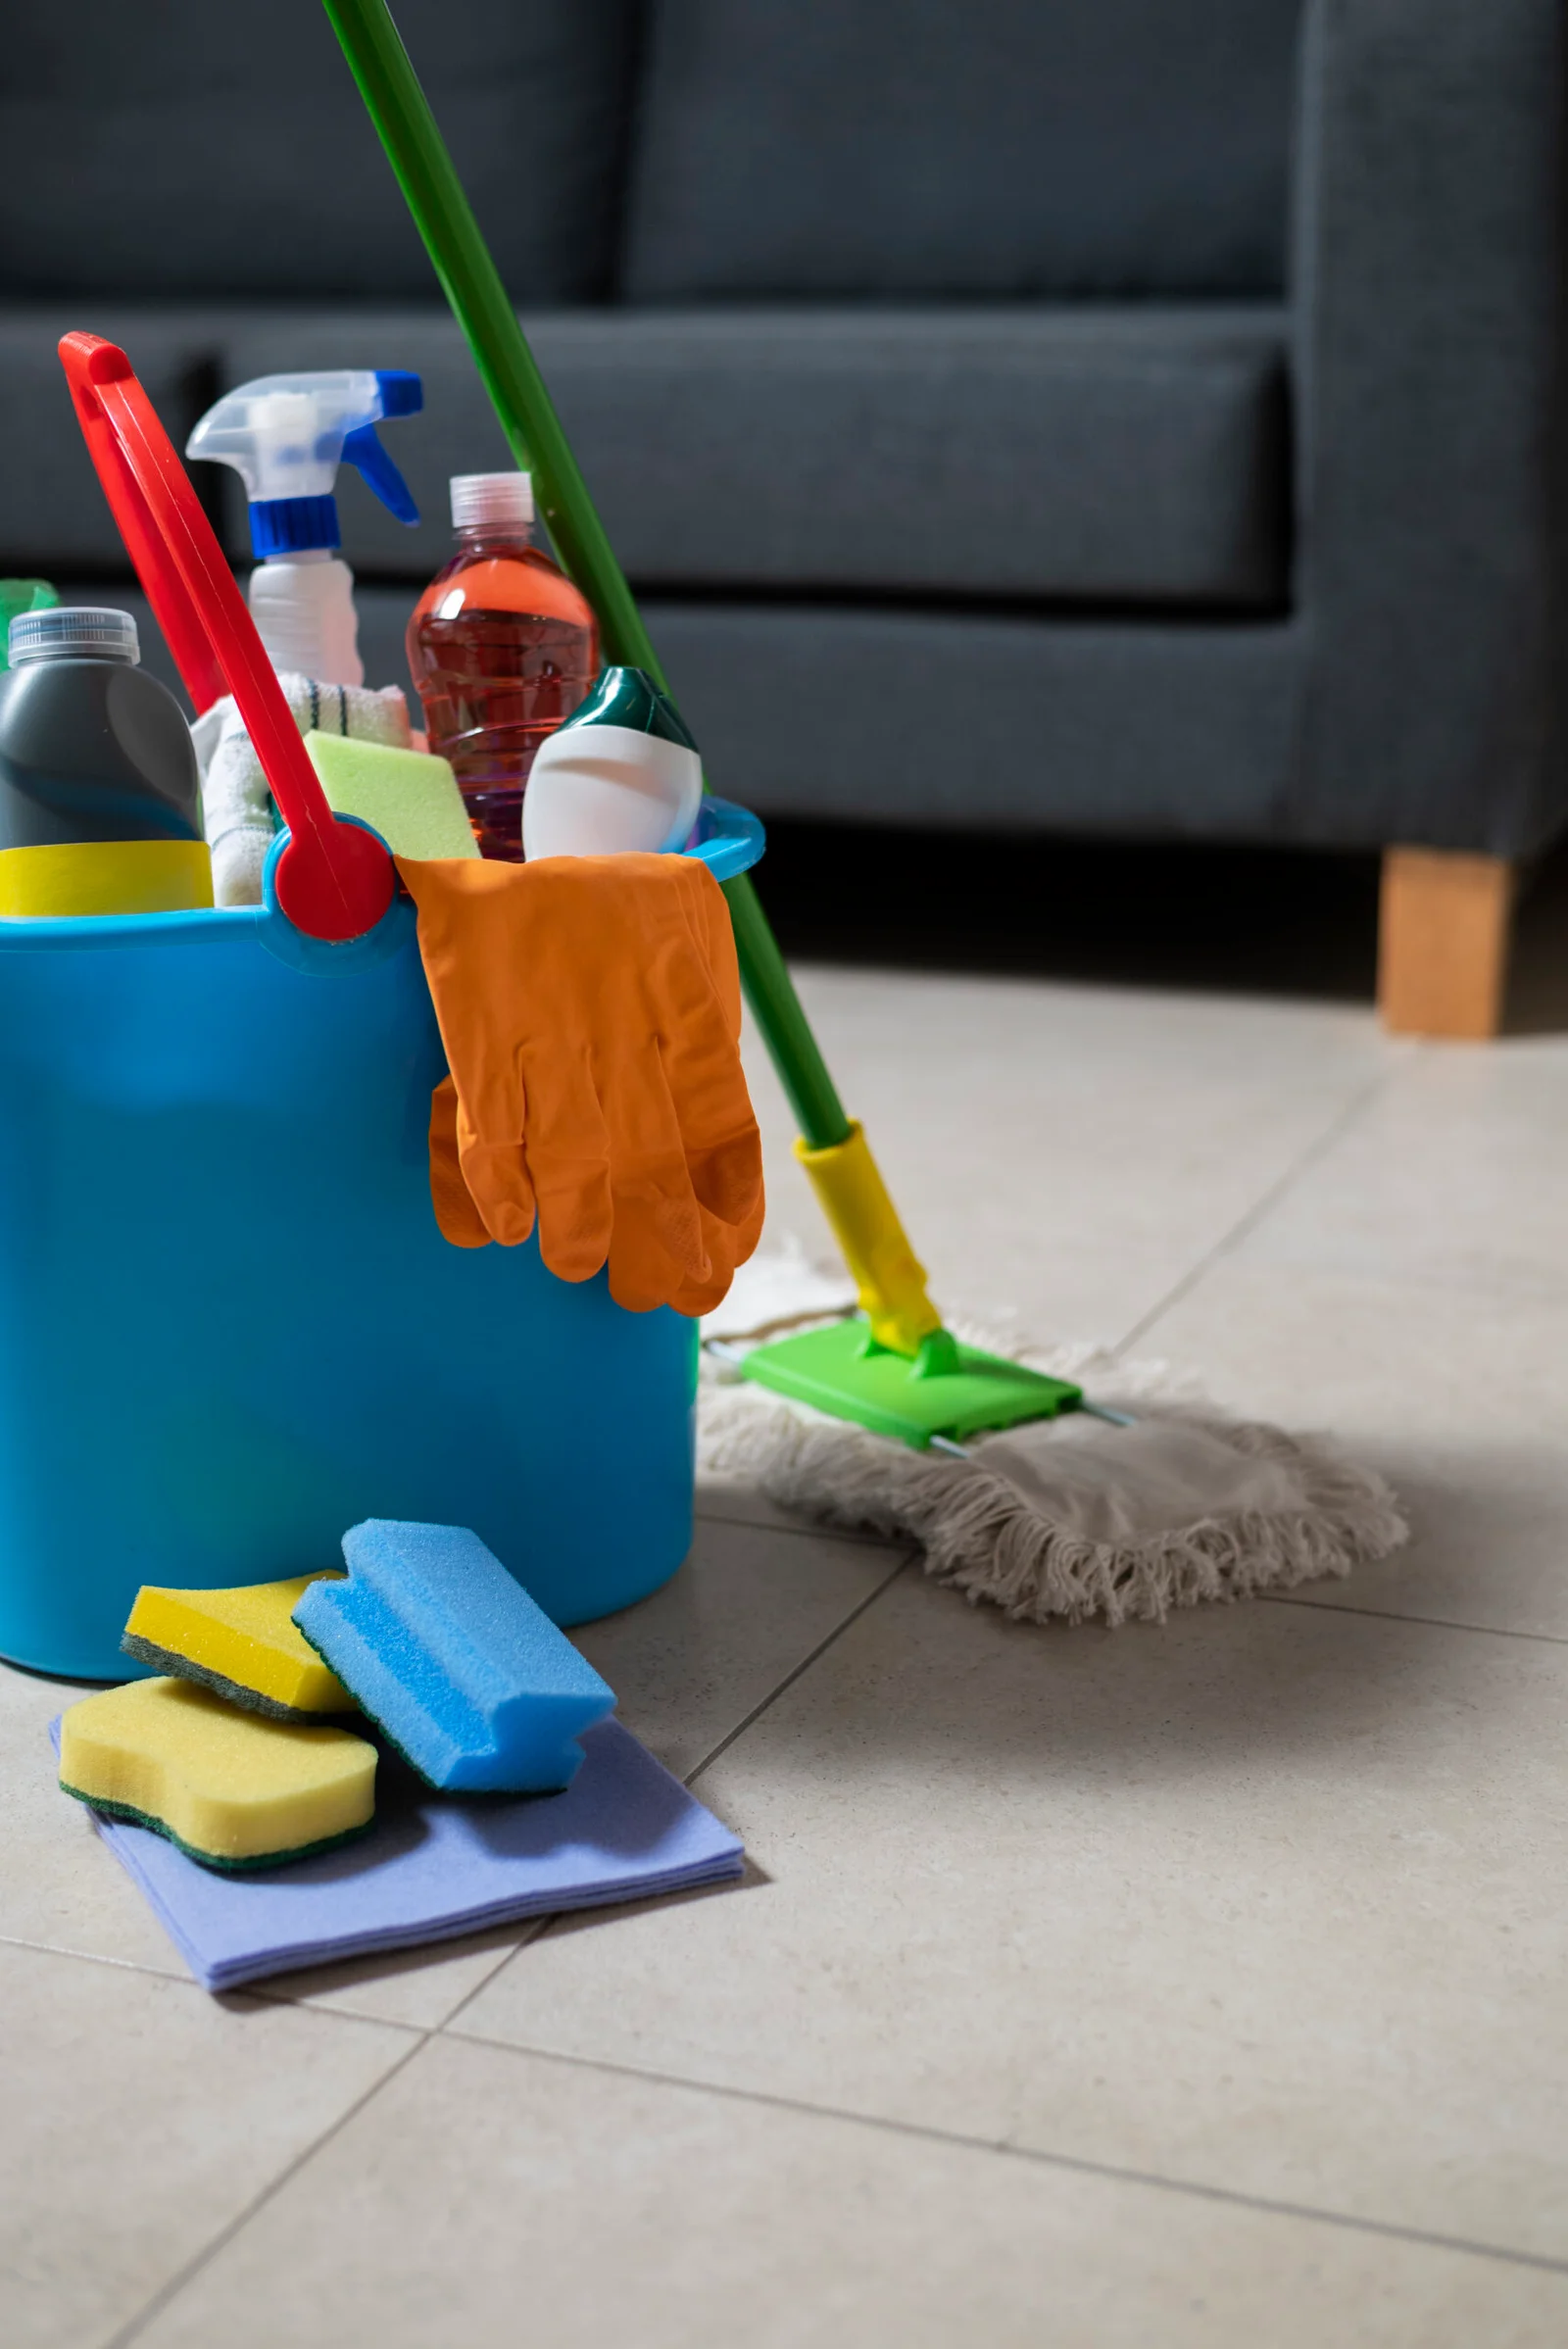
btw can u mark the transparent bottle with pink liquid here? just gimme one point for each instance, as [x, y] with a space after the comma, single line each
[501, 649]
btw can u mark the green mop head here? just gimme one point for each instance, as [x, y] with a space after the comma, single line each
[840, 1369]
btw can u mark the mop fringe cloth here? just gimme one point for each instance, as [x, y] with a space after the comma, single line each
[1073, 1519]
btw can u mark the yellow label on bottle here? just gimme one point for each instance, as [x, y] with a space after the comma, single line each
[105, 876]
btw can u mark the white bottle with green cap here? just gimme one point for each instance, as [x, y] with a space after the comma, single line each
[623, 772]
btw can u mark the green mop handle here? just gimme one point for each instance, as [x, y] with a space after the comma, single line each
[473, 286]
[832, 1148]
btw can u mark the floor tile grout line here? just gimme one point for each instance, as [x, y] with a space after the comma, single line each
[97, 1957]
[804, 1665]
[800, 1533]
[226, 2234]
[1250, 1220]
[283, 1996]
[1042, 2157]
[271, 1989]
[542, 1925]
[184, 1980]
[537, 1926]
[1436, 1622]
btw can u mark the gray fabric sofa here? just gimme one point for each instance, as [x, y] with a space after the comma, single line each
[1137, 416]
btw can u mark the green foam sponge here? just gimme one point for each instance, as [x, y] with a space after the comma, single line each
[230, 1787]
[411, 799]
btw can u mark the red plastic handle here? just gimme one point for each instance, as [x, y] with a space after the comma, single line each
[333, 880]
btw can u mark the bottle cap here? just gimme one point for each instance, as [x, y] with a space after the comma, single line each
[294, 527]
[74, 632]
[629, 699]
[492, 501]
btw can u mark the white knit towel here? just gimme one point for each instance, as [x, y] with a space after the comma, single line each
[236, 803]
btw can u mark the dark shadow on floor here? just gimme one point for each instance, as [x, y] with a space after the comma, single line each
[1253, 921]
[1538, 980]
[1291, 922]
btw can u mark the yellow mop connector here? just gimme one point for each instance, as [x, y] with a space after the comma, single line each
[887, 1273]
[906, 1376]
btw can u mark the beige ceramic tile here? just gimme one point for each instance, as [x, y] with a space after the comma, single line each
[137, 2118]
[1269, 1899]
[59, 1884]
[688, 1666]
[488, 2197]
[731, 1500]
[1452, 1175]
[417, 1988]
[1460, 1396]
[1067, 1154]
[749, 1605]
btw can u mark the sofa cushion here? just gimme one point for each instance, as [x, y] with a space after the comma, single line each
[961, 147]
[1173, 730]
[194, 149]
[1088, 454]
[1177, 729]
[54, 517]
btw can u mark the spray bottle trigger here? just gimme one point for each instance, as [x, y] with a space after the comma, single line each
[401, 391]
[362, 451]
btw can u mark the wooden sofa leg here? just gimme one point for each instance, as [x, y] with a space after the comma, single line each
[1442, 942]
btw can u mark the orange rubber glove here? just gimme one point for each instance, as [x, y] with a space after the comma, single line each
[591, 1012]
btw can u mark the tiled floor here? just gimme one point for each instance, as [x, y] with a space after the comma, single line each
[1196, 1985]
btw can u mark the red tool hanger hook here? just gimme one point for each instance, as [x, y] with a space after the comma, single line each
[333, 880]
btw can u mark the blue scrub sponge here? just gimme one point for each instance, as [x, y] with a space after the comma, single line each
[449, 1655]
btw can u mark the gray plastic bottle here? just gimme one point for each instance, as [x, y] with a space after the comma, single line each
[91, 746]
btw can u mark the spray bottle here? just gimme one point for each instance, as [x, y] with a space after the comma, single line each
[286, 436]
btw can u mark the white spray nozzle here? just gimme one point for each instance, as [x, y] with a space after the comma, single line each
[286, 435]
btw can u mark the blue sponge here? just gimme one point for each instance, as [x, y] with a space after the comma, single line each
[449, 1655]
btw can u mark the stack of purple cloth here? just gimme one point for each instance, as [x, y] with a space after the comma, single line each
[435, 1866]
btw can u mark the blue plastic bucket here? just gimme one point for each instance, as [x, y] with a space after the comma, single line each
[229, 1328]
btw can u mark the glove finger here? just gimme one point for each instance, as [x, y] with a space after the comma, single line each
[694, 1298]
[495, 1170]
[699, 1150]
[567, 1146]
[731, 1238]
[652, 1259]
[728, 1246]
[707, 926]
[657, 1241]
[727, 1169]
[717, 1123]
[457, 1218]
[466, 921]
[718, 944]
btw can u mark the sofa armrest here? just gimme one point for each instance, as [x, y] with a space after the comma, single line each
[1429, 292]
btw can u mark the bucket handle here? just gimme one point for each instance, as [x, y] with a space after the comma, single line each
[334, 881]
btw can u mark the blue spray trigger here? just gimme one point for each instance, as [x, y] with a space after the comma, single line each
[402, 393]
[362, 451]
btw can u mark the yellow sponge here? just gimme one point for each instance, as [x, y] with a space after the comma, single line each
[411, 799]
[226, 1786]
[241, 1643]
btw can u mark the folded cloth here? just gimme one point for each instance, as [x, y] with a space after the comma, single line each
[434, 1866]
[237, 800]
[590, 1008]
